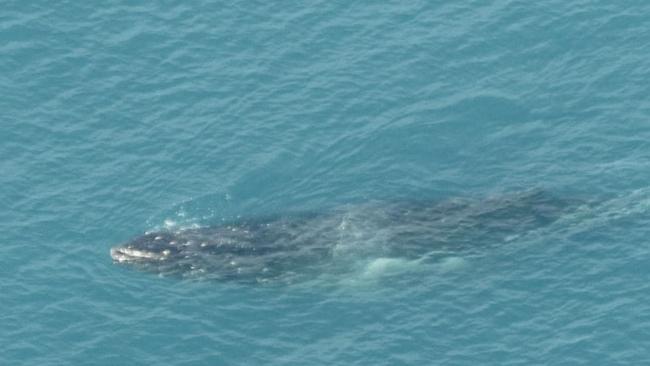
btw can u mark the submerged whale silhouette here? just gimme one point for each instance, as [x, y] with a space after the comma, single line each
[285, 246]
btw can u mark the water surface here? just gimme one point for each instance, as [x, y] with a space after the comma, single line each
[128, 117]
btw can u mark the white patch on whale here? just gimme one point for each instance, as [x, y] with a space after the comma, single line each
[452, 264]
[384, 266]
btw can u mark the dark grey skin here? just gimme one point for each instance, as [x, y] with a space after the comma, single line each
[254, 251]
[287, 248]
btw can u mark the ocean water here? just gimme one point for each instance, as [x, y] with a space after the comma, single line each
[124, 117]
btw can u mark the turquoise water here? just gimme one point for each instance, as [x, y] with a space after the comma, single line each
[128, 117]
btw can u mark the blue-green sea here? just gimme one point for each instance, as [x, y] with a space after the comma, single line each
[122, 117]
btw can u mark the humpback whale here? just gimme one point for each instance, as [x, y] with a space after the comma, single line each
[284, 247]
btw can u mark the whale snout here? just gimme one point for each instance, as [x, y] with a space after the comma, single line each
[147, 248]
[127, 254]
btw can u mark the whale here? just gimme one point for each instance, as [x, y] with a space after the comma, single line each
[287, 247]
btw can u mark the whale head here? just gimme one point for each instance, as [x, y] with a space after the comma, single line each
[219, 253]
[150, 247]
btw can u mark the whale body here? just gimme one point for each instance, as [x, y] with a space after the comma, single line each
[286, 247]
